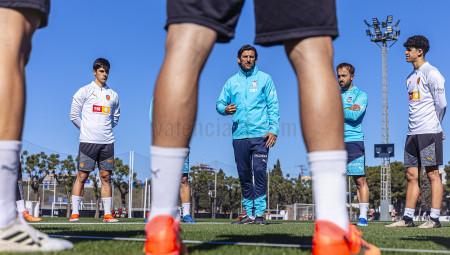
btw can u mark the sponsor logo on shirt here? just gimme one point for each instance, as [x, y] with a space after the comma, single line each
[349, 99]
[108, 97]
[415, 95]
[254, 84]
[439, 90]
[101, 109]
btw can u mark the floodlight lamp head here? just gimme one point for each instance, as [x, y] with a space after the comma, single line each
[389, 19]
[389, 29]
[375, 22]
[378, 31]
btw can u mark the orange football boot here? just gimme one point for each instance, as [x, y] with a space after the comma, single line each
[331, 239]
[163, 237]
[29, 217]
[74, 217]
[109, 218]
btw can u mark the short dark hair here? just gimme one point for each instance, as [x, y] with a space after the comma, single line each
[101, 62]
[349, 67]
[418, 42]
[247, 47]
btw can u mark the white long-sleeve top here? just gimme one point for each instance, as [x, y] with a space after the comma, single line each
[100, 112]
[427, 101]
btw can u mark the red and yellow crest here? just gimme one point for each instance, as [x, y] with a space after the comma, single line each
[108, 97]
[81, 164]
[418, 81]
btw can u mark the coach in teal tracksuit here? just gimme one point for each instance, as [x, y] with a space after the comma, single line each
[251, 98]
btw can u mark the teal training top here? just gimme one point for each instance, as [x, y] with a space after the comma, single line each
[257, 104]
[353, 119]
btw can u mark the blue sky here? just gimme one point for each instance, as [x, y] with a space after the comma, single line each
[131, 37]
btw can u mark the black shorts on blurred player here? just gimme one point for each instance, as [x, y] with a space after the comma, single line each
[276, 21]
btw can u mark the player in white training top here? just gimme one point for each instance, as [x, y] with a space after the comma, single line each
[100, 110]
[423, 147]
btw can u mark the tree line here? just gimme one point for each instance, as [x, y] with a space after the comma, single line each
[283, 189]
[40, 165]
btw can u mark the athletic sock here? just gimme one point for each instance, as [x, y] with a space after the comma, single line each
[167, 168]
[328, 171]
[9, 165]
[363, 208]
[107, 201]
[435, 213]
[20, 206]
[409, 213]
[76, 200]
[186, 208]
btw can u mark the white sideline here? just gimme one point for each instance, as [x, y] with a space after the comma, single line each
[241, 243]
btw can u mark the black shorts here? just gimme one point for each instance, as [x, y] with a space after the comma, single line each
[276, 21]
[42, 6]
[91, 153]
[423, 150]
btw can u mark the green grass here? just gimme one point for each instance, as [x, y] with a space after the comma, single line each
[283, 232]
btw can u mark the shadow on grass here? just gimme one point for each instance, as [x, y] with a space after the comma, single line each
[262, 238]
[444, 241]
[96, 233]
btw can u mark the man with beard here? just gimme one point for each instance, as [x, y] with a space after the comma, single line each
[251, 98]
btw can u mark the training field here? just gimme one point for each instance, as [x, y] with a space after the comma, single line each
[288, 233]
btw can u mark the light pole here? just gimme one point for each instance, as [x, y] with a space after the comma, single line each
[384, 36]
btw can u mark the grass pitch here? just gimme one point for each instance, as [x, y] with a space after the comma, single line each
[280, 232]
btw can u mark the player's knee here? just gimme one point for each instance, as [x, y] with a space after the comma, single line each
[105, 177]
[412, 177]
[434, 176]
[82, 176]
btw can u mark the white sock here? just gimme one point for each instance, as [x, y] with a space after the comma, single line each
[363, 208]
[329, 171]
[107, 201]
[252, 217]
[167, 168]
[76, 204]
[435, 213]
[409, 212]
[9, 165]
[186, 208]
[20, 206]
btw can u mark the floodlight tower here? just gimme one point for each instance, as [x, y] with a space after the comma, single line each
[384, 36]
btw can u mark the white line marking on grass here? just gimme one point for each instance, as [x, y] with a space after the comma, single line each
[240, 243]
[412, 250]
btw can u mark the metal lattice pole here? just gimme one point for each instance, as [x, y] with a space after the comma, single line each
[381, 34]
[385, 166]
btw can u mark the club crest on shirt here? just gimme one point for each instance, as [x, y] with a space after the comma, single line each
[254, 84]
[349, 99]
[418, 80]
[108, 97]
[81, 164]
